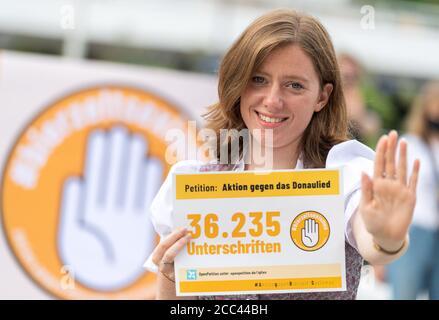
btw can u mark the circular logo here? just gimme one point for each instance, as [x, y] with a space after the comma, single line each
[77, 188]
[310, 231]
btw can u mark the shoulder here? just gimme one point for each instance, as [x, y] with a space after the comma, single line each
[415, 143]
[353, 158]
[193, 166]
[188, 166]
[413, 139]
[348, 152]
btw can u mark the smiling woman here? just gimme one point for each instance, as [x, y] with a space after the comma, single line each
[288, 81]
[281, 77]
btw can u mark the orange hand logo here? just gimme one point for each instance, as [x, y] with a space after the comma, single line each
[310, 231]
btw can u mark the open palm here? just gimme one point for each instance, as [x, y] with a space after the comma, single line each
[388, 201]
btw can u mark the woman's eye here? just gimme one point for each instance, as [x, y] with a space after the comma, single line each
[296, 85]
[258, 79]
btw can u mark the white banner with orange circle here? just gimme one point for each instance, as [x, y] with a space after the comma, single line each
[83, 150]
[279, 232]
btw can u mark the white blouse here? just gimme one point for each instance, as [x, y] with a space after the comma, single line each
[426, 214]
[351, 156]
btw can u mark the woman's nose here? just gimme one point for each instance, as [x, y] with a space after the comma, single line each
[273, 98]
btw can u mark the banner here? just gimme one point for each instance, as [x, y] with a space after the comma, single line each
[83, 154]
[278, 232]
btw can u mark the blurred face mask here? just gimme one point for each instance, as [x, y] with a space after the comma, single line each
[433, 124]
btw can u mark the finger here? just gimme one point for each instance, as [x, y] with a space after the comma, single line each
[380, 157]
[414, 177]
[366, 188]
[118, 144]
[94, 173]
[390, 154]
[175, 249]
[313, 226]
[166, 243]
[402, 164]
[303, 234]
[307, 226]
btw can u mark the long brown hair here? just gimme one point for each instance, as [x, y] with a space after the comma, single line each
[416, 123]
[327, 127]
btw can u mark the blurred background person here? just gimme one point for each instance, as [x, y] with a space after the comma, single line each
[365, 123]
[418, 269]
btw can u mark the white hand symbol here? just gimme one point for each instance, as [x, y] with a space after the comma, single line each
[310, 233]
[105, 234]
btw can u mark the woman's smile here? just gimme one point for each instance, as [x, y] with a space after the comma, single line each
[270, 121]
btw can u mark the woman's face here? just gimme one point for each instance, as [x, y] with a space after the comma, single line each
[433, 108]
[283, 95]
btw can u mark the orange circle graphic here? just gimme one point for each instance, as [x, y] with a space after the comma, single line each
[77, 231]
[310, 231]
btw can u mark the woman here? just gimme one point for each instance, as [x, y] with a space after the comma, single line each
[282, 75]
[419, 268]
